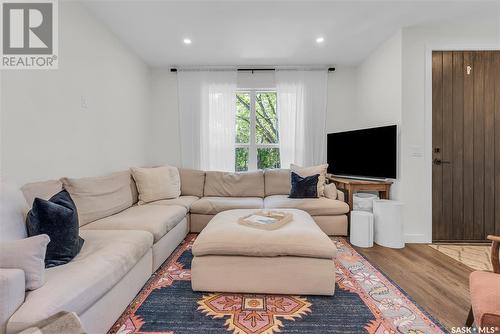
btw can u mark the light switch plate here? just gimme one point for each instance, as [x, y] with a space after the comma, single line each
[84, 103]
[417, 151]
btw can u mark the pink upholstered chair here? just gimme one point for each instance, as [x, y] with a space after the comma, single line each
[485, 292]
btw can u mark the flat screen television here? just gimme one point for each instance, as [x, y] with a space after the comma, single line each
[369, 153]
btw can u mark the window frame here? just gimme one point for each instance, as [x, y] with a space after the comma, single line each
[253, 146]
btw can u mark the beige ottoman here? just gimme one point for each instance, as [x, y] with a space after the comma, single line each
[294, 259]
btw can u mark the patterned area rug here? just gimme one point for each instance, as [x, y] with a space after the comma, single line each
[365, 301]
[476, 257]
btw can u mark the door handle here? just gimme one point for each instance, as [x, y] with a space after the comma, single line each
[440, 162]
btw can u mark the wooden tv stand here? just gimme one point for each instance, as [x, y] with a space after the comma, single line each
[353, 185]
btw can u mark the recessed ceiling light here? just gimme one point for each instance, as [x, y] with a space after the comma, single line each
[320, 40]
[187, 41]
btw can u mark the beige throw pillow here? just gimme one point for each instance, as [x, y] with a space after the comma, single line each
[313, 170]
[157, 183]
[331, 191]
[27, 254]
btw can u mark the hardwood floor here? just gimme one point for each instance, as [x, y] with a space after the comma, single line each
[435, 281]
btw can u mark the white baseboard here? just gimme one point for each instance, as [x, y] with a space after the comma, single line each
[417, 239]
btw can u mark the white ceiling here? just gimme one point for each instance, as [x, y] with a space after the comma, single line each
[271, 32]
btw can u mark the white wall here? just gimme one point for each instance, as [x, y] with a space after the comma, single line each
[164, 124]
[45, 131]
[341, 104]
[378, 93]
[369, 94]
[416, 182]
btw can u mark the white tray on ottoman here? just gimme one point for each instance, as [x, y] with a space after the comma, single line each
[297, 258]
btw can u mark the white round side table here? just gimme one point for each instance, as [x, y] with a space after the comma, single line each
[361, 229]
[363, 201]
[388, 221]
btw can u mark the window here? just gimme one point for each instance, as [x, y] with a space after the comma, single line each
[257, 134]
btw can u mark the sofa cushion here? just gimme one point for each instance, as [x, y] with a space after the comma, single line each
[43, 190]
[102, 196]
[157, 183]
[156, 219]
[243, 184]
[214, 205]
[185, 201]
[314, 206]
[192, 182]
[277, 181]
[106, 257]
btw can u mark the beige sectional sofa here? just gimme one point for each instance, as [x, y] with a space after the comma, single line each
[126, 242]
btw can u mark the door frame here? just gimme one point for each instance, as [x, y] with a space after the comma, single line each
[428, 115]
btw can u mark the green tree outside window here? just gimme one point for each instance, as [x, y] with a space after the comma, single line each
[261, 121]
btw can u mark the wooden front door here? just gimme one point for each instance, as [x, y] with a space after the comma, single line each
[465, 145]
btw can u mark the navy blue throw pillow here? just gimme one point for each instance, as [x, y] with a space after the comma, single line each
[304, 187]
[57, 218]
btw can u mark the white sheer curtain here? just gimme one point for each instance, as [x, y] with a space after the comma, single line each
[207, 115]
[302, 116]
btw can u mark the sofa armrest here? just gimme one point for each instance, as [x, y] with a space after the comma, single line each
[12, 291]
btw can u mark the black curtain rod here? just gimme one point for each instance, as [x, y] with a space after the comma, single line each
[330, 69]
[254, 69]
